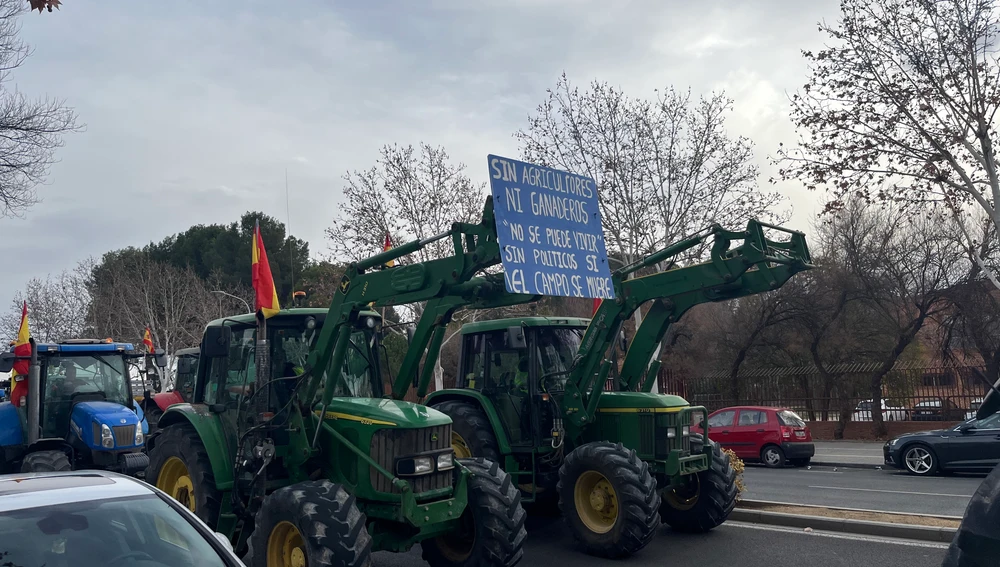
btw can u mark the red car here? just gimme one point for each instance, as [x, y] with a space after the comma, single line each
[772, 436]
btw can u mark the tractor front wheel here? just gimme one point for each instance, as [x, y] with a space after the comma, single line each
[310, 524]
[471, 432]
[707, 499]
[491, 530]
[609, 499]
[179, 466]
[46, 461]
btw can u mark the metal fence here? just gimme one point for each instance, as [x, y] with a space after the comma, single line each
[910, 393]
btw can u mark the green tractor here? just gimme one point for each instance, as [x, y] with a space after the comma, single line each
[531, 395]
[318, 468]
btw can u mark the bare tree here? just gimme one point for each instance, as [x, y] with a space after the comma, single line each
[57, 306]
[30, 130]
[901, 109]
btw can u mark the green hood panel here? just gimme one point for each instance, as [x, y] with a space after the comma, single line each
[384, 412]
[621, 401]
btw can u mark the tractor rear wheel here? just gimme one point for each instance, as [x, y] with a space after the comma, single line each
[310, 524]
[491, 530]
[46, 461]
[609, 499]
[471, 432]
[179, 466]
[707, 500]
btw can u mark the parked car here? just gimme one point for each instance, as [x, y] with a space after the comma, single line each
[969, 446]
[101, 519]
[937, 409]
[973, 408]
[770, 435]
[863, 412]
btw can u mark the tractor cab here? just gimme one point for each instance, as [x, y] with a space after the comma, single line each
[86, 416]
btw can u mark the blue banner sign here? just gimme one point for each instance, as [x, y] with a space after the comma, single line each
[549, 231]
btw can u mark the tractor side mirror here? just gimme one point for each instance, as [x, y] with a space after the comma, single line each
[7, 361]
[216, 341]
[160, 359]
[516, 337]
[185, 365]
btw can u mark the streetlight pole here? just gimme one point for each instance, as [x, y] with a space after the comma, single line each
[235, 297]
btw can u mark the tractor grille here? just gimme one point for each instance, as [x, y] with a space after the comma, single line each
[647, 433]
[124, 435]
[390, 444]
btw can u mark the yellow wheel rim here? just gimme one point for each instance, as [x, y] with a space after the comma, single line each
[685, 497]
[596, 502]
[175, 480]
[285, 547]
[460, 447]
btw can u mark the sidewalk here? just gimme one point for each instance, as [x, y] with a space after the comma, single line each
[856, 454]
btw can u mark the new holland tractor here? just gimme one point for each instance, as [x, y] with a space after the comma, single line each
[530, 395]
[290, 447]
[79, 412]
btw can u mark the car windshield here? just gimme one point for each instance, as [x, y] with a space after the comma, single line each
[790, 418]
[137, 531]
[72, 378]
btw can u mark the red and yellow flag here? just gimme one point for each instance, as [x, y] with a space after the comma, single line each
[386, 247]
[266, 297]
[147, 339]
[21, 348]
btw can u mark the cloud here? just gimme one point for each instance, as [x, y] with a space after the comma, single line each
[195, 110]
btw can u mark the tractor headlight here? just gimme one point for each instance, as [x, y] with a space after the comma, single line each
[107, 439]
[138, 435]
[415, 466]
[686, 430]
[671, 433]
[446, 461]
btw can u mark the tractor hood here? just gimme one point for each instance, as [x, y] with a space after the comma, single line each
[629, 402]
[107, 413]
[384, 413]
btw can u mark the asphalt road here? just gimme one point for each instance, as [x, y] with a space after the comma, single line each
[887, 490]
[745, 545]
[849, 452]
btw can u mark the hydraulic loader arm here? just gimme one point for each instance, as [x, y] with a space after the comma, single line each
[368, 282]
[755, 266]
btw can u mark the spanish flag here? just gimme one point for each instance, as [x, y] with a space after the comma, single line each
[21, 348]
[266, 299]
[597, 305]
[147, 339]
[386, 247]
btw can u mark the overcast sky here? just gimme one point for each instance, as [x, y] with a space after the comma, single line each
[194, 109]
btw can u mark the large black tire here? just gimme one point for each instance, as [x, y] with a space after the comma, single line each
[632, 499]
[46, 461]
[179, 466]
[153, 414]
[713, 499]
[317, 521]
[492, 532]
[471, 432]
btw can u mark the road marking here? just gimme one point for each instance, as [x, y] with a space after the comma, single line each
[893, 491]
[822, 472]
[834, 535]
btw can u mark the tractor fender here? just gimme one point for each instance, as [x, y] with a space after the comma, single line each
[210, 430]
[477, 399]
[166, 399]
[10, 426]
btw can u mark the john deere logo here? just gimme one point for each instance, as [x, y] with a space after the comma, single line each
[434, 436]
[345, 284]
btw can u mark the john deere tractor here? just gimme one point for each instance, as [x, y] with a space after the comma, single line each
[530, 395]
[290, 447]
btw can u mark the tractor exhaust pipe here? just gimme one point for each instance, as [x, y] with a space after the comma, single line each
[34, 395]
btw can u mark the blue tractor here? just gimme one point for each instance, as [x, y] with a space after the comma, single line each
[79, 412]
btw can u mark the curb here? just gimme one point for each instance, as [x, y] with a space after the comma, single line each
[752, 504]
[844, 465]
[859, 527]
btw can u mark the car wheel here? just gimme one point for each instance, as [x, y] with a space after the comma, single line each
[919, 460]
[773, 457]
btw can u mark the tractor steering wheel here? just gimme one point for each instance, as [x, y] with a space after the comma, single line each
[136, 554]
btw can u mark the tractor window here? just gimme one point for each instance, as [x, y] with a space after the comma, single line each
[358, 377]
[555, 349]
[70, 379]
[232, 375]
[472, 363]
[507, 384]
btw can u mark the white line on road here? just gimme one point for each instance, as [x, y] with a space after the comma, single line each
[821, 472]
[892, 491]
[855, 537]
